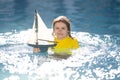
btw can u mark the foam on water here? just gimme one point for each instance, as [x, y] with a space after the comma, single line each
[98, 58]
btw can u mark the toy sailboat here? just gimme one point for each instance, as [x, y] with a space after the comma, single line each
[40, 37]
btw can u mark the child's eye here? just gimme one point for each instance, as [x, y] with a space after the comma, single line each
[57, 28]
[63, 28]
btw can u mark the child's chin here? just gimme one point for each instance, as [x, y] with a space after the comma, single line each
[61, 37]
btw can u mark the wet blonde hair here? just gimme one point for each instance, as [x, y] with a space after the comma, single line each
[65, 20]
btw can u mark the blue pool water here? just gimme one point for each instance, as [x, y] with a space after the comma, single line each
[95, 23]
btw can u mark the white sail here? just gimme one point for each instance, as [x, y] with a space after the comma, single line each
[40, 33]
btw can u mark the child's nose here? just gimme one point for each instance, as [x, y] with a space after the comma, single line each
[60, 29]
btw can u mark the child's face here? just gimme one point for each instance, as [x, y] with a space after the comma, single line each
[60, 30]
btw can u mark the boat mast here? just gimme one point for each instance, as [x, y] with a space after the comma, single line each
[36, 48]
[36, 27]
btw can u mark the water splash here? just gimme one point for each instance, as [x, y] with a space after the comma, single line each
[98, 58]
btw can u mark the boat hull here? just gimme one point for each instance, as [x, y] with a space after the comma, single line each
[42, 48]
